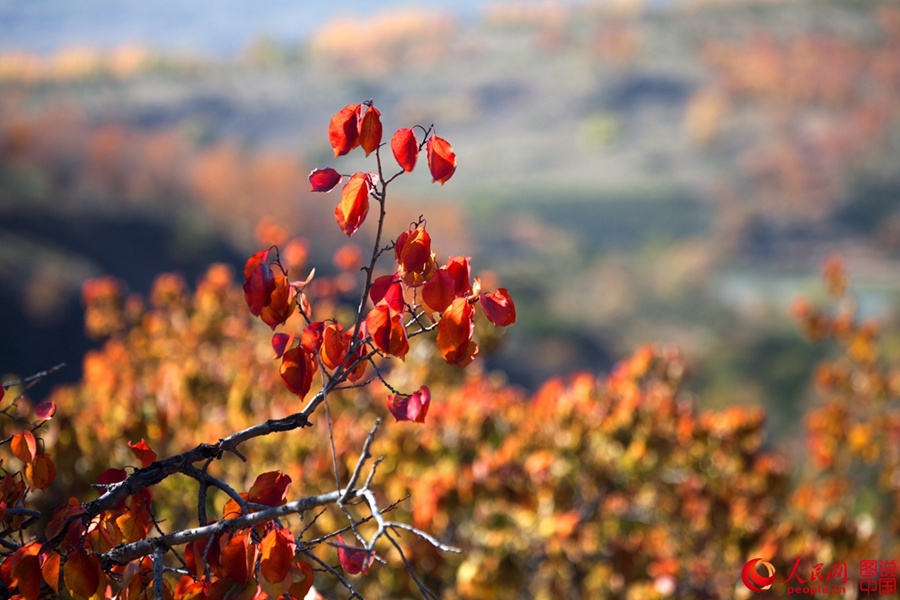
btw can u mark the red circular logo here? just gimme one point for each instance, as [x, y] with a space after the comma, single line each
[753, 579]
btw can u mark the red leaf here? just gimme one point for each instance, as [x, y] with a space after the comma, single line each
[389, 289]
[354, 205]
[410, 408]
[450, 281]
[335, 344]
[24, 446]
[311, 339]
[280, 343]
[298, 365]
[276, 555]
[405, 149]
[412, 250]
[143, 453]
[354, 560]
[370, 130]
[82, 573]
[454, 333]
[499, 307]
[259, 282]
[441, 159]
[324, 180]
[343, 131]
[269, 489]
[388, 331]
[45, 410]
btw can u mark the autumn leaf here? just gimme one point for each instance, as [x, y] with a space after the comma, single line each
[45, 410]
[276, 555]
[82, 574]
[50, 564]
[370, 130]
[312, 336]
[412, 251]
[410, 408]
[354, 205]
[259, 282]
[24, 446]
[238, 558]
[343, 131]
[441, 159]
[450, 281]
[389, 289]
[281, 303]
[41, 472]
[388, 331]
[498, 307]
[301, 579]
[298, 365]
[25, 570]
[281, 342]
[354, 560]
[405, 148]
[454, 333]
[143, 453]
[324, 180]
[270, 489]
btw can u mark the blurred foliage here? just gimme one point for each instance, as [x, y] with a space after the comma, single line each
[617, 486]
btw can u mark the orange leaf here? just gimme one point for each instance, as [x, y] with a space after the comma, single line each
[388, 331]
[281, 303]
[82, 574]
[301, 578]
[454, 332]
[24, 446]
[370, 130]
[143, 453]
[270, 489]
[499, 307]
[41, 472]
[405, 149]
[441, 159]
[276, 555]
[354, 205]
[335, 344]
[134, 524]
[50, 568]
[343, 131]
[298, 365]
[25, 570]
[324, 180]
[450, 281]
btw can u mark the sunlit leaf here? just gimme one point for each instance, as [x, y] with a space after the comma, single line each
[354, 205]
[498, 307]
[270, 489]
[276, 555]
[441, 159]
[354, 560]
[324, 180]
[370, 130]
[24, 446]
[343, 131]
[143, 453]
[405, 148]
[82, 574]
[410, 408]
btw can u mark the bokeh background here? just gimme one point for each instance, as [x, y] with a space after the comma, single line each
[655, 182]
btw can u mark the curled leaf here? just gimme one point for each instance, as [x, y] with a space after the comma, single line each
[354, 205]
[324, 180]
[45, 410]
[143, 453]
[441, 159]
[298, 365]
[410, 408]
[454, 333]
[259, 282]
[388, 332]
[498, 307]
[24, 446]
[354, 560]
[343, 131]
